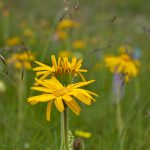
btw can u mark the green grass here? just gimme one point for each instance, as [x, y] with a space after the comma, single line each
[100, 118]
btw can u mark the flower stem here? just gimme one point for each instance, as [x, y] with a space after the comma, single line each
[120, 125]
[64, 129]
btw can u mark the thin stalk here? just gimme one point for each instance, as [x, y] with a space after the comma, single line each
[21, 95]
[120, 125]
[64, 130]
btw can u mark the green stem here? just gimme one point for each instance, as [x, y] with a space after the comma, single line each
[64, 129]
[21, 95]
[120, 125]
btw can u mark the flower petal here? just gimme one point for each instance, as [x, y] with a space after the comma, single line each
[41, 98]
[48, 111]
[59, 104]
[74, 106]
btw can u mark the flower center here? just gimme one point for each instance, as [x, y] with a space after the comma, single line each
[61, 92]
[126, 58]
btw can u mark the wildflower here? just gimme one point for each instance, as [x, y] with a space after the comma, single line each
[122, 64]
[79, 44]
[28, 33]
[13, 41]
[23, 24]
[63, 67]
[83, 134]
[61, 35]
[62, 96]
[68, 23]
[64, 53]
[21, 60]
[125, 49]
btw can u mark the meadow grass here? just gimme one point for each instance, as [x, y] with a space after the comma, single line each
[104, 27]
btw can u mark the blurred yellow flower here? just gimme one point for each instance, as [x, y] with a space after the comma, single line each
[63, 67]
[61, 35]
[63, 96]
[83, 134]
[68, 23]
[28, 33]
[79, 44]
[21, 60]
[123, 64]
[65, 53]
[13, 41]
[5, 12]
[23, 24]
[125, 49]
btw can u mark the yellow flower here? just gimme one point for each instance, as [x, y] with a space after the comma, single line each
[64, 53]
[13, 41]
[28, 33]
[63, 96]
[68, 23]
[63, 67]
[21, 60]
[125, 49]
[123, 64]
[60, 34]
[83, 134]
[79, 44]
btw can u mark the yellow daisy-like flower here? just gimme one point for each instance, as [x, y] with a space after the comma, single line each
[61, 35]
[62, 96]
[83, 134]
[21, 60]
[64, 53]
[13, 41]
[68, 23]
[79, 44]
[63, 67]
[123, 64]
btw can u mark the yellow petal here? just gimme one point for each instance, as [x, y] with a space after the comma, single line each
[41, 89]
[41, 64]
[42, 78]
[54, 61]
[41, 73]
[41, 98]
[78, 64]
[82, 77]
[73, 62]
[59, 104]
[67, 98]
[55, 82]
[80, 84]
[42, 68]
[48, 111]
[74, 106]
[83, 99]
[34, 102]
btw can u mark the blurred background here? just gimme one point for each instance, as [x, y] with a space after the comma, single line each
[95, 29]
